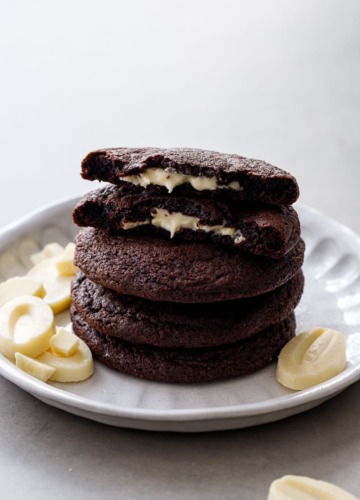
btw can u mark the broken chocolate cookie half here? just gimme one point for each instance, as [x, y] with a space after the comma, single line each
[269, 230]
[196, 171]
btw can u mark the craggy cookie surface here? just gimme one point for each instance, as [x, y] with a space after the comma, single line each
[187, 170]
[270, 230]
[164, 324]
[186, 365]
[179, 271]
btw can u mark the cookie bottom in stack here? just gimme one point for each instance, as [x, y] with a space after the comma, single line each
[184, 343]
[186, 365]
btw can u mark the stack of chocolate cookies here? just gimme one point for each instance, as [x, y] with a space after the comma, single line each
[190, 263]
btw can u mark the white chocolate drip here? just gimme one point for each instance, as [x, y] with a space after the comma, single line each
[175, 221]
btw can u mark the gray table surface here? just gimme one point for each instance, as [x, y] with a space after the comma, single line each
[274, 80]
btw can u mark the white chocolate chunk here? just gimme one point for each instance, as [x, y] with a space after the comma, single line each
[201, 183]
[171, 179]
[57, 287]
[310, 358]
[224, 231]
[234, 185]
[20, 285]
[50, 250]
[74, 368]
[131, 225]
[65, 262]
[304, 488]
[64, 343]
[26, 326]
[33, 367]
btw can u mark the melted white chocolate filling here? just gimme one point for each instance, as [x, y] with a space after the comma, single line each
[174, 221]
[170, 179]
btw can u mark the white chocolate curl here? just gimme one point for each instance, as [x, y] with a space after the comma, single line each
[311, 358]
[26, 326]
[306, 488]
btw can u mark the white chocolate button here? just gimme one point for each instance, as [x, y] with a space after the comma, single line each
[74, 368]
[305, 488]
[33, 367]
[14, 287]
[50, 250]
[311, 358]
[64, 343]
[26, 325]
[65, 262]
[57, 287]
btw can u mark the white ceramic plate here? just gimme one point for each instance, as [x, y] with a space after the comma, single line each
[331, 298]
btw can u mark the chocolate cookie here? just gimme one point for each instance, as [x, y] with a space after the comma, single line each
[186, 365]
[179, 271]
[186, 170]
[164, 324]
[270, 230]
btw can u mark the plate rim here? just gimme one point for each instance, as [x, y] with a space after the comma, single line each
[292, 400]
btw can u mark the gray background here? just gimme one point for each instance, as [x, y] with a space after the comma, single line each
[275, 80]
